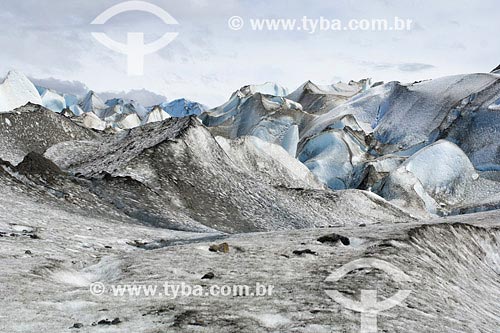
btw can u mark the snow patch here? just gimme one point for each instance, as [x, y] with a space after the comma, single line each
[16, 91]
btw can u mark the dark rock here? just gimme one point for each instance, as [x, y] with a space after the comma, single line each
[223, 247]
[305, 251]
[36, 164]
[27, 252]
[77, 325]
[334, 238]
[209, 275]
[160, 311]
[188, 317]
[106, 321]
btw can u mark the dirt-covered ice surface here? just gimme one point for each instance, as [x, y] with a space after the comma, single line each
[50, 257]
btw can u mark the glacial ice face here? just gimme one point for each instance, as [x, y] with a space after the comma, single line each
[182, 108]
[16, 91]
[157, 114]
[416, 114]
[271, 118]
[127, 121]
[93, 103]
[438, 178]
[90, 120]
[440, 166]
[120, 106]
[334, 158]
[53, 101]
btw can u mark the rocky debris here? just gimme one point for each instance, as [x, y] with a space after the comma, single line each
[188, 318]
[37, 165]
[77, 325]
[163, 310]
[223, 247]
[334, 238]
[176, 175]
[33, 128]
[305, 251]
[208, 276]
[106, 321]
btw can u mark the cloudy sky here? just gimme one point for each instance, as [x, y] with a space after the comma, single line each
[52, 39]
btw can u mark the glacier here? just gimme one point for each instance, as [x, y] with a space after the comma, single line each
[291, 187]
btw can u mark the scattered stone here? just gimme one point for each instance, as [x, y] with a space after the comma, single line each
[160, 311]
[77, 325]
[107, 247]
[362, 225]
[334, 238]
[27, 252]
[137, 243]
[106, 321]
[209, 276]
[188, 317]
[223, 247]
[305, 251]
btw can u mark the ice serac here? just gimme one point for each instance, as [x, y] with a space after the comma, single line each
[125, 107]
[421, 113]
[400, 119]
[90, 120]
[127, 121]
[319, 99]
[52, 100]
[93, 103]
[17, 90]
[33, 128]
[441, 179]
[337, 154]
[268, 88]
[271, 118]
[182, 108]
[156, 114]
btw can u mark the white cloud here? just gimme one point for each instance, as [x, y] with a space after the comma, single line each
[208, 61]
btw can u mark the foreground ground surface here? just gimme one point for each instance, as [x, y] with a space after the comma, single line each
[50, 257]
